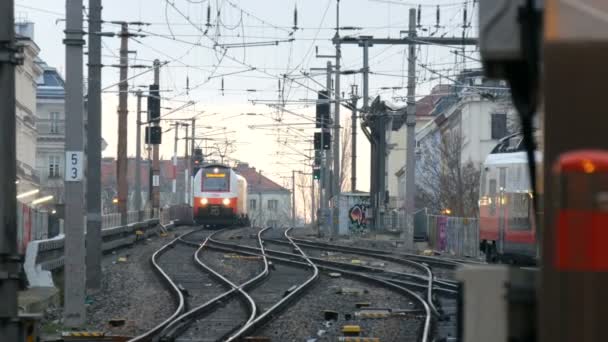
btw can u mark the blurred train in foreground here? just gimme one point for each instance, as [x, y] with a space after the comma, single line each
[219, 197]
[507, 231]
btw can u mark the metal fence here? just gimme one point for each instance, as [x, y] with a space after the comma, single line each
[458, 236]
[114, 219]
[32, 224]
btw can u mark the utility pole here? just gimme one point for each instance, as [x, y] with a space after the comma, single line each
[74, 288]
[313, 206]
[410, 121]
[123, 112]
[337, 180]
[365, 43]
[186, 168]
[137, 198]
[155, 174]
[174, 181]
[353, 121]
[326, 173]
[93, 237]
[10, 259]
[190, 166]
[293, 198]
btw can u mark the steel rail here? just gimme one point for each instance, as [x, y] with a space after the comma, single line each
[247, 250]
[181, 323]
[443, 282]
[445, 287]
[421, 266]
[441, 262]
[148, 335]
[281, 304]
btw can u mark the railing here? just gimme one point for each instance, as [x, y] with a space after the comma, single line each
[454, 235]
[44, 256]
[114, 219]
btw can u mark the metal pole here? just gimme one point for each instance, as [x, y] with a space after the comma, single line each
[137, 197]
[325, 184]
[9, 258]
[353, 142]
[174, 182]
[313, 204]
[93, 237]
[74, 287]
[186, 169]
[123, 112]
[155, 158]
[191, 167]
[293, 198]
[337, 180]
[366, 46]
[410, 164]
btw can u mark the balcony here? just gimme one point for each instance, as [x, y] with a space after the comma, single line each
[51, 129]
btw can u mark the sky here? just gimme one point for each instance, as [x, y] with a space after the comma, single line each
[248, 49]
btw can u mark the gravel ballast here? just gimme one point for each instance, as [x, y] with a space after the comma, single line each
[305, 318]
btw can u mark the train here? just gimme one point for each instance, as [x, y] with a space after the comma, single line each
[219, 197]
[507, 229]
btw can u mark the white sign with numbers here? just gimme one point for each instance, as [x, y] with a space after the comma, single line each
[74, 166]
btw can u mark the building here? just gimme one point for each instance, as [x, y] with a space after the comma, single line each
[26, 76]
[466, 124]
[50, 123]
[269, 203]
[396, 143]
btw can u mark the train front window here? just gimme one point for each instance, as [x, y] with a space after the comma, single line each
[215, 182]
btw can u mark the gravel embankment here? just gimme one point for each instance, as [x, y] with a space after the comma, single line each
[131, 290]
[305, 319]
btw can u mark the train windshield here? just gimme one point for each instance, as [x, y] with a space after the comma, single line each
[216, 181]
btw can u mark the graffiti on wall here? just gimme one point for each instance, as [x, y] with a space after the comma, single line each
[357, 215]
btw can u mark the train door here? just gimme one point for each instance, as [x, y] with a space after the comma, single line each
[502, 209]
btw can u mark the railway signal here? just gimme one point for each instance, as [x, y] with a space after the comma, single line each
[316, 173]
[322, 140]
[322, 111]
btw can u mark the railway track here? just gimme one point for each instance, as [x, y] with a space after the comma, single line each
[297, 259]
[228, 312]
[212, 307]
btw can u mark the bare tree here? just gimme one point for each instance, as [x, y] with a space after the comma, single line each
[345, 155]
[445, 181]
[303, 183]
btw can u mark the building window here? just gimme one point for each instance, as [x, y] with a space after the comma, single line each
[499, 126]
[54, 166]
[252, 204]
[54, 116]
[273, 205]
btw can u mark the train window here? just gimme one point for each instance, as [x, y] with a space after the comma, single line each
[520, 210]
[212, 182]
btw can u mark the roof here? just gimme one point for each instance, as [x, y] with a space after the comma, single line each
[256, 182]
[50, 85]
[425, 105]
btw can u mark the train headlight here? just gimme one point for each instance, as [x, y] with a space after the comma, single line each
[226, 201]
[204, 201]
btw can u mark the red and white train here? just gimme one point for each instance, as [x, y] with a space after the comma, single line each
[507, 230]
[219, 196]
